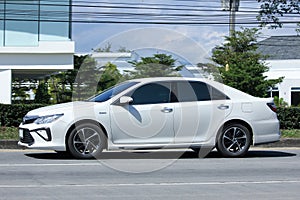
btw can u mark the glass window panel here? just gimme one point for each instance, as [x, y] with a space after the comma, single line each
[295, 98]
[21, 23]
[1, 22]
[55, 20]
[152, 93]
[192, 91]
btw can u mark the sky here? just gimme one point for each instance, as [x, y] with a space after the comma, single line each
[193, 42]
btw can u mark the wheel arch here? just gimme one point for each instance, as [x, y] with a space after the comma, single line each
[84, 121]
[236, 121]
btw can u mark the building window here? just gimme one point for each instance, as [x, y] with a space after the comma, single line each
[55, 20]
[1, 23]
[273, 92]
[25, 23]
[295, 96]
[21, 23]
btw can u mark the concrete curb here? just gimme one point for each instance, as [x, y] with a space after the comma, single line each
[284, 142]
[9, 144]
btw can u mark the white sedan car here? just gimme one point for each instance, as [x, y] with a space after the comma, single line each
[154, 113]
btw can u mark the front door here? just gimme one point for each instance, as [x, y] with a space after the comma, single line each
[147, 120]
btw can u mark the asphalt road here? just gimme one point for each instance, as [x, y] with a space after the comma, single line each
[262, 174]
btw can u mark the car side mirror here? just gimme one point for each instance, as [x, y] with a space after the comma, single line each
[126, 100]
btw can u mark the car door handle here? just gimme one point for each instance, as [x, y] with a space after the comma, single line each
[223, 107]
[167, 110]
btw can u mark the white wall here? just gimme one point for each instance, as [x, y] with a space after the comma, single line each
[41, 60]
[5, 86]
[290, 70]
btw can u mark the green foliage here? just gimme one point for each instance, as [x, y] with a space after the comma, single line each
[159, 65]
[272, 10]
[293, 133]
[20, 87]
[62, 83]
[241, 66]
[42, 96]
[109, 77]
[12, 115]
[86, 81]
[289, 117]
[279, 102]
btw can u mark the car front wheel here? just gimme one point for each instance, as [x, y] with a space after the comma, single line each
[234, 141]
[86, 141]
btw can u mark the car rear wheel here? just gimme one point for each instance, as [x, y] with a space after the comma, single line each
[86, 141]
[234, 140]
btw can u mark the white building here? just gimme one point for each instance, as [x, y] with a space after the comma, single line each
[284, 61]
[35, 40]
[121, 59]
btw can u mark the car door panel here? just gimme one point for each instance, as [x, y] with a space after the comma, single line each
[149, 119]
[142, 124]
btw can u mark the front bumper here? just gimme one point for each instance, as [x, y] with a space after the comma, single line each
[47, 137]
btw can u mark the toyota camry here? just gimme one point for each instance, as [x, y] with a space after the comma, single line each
[154, 113]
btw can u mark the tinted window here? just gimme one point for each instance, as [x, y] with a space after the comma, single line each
[109, 93]
[191, 91]
[186, 91]
[217, 95]
[152, 93]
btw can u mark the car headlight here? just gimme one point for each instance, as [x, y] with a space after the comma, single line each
[47, 119]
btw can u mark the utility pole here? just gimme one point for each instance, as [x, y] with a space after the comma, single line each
[232, 6]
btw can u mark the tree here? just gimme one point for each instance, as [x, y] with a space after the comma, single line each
[109, 77]
[158, 65]
[241, 66]
[86, 79]
[272, 10]
[62, 83]
[19, 89]
[106, 48]
[42, 95]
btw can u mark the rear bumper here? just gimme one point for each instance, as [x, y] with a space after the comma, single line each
[266, 132]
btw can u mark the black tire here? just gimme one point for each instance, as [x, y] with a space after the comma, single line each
[86, 141]
[233, 141]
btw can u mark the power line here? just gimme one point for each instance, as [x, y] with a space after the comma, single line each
[131, 13]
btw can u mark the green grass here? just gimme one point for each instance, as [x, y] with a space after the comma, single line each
[11, 133]
[293, 133]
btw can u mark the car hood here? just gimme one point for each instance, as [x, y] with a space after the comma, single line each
[62, 108]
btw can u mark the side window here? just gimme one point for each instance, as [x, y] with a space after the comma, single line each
[152, 93]
[218, 95]
[201, 90]
[192, 91]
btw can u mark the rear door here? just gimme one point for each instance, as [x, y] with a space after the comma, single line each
[198, 112]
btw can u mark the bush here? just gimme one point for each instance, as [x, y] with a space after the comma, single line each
[289, 117]
[12, 115]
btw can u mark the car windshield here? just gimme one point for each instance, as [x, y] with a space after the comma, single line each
[110, 92]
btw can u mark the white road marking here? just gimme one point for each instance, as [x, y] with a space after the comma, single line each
[153, 184]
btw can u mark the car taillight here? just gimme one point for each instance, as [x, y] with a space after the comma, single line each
[272, 106]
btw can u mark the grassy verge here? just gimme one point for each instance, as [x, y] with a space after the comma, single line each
[293, 133]
[11, 133]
